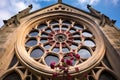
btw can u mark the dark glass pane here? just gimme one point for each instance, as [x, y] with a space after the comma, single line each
[47, 46]
[28, 72]
[106, 76]
[78, 26]
[84, 53]
[64, 27]
[48, 30]
[13, 62]
[76, 35]
[43, 40]
[44, 35]
[65, 50]
[41, 26]
[89, 43]
[51, 58]
[56, 50]
[77, 40]
[91, 78]
[33, 33]
[31, 42]
[36, 53]
[28, 78]
[66, 22]
[105, 60]
[53, 22]
[72, 30]
[23, 70]
[73, 46]
[12, 76]
[87, 34]
[56, 27]
[34, 77]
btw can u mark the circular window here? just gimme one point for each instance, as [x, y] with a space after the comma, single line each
[51, 40]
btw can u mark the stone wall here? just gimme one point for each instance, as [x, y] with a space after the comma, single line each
[111, 37]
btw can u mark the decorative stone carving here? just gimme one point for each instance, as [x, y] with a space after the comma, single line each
[93, 11]
[59, 1]
[25, 11]
[104, 19]
[16, 19]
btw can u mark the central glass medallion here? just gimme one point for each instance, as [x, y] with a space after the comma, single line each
[60, 37]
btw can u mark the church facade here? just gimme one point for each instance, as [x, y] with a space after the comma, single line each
[59, 42]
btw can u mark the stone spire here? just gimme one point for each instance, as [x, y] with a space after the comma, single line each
[59, 1]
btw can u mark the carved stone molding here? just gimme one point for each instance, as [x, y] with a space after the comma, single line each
[40, 67]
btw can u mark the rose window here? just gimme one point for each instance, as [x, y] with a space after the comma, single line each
[53, 40]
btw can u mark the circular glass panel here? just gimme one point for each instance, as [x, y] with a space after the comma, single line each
[50, 58]
[48, 30]
[84, 53]
[31, 42]
[77, 40]
[89, 43]
[33, 33]
[41, 26]
[56, 50]
[43, 40]
[36, 53]
[77, 26]
[87, 34]
[65, 50]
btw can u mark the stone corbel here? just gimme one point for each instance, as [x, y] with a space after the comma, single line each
[103, 18]
[93, 11]
[97, 14]
[59, 1]
[16, 19]
[25, 11]
[106, 20]
[102, 21]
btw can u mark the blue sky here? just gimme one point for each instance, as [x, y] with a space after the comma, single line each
[111, 8]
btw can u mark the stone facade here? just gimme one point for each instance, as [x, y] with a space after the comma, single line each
[104, 64]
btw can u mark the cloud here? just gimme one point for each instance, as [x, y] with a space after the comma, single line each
[8, 8]
[115, 2]
[91, 2]
[83, 3]
[46, 0]
[111, 2]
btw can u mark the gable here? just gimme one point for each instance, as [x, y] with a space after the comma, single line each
[61, 7]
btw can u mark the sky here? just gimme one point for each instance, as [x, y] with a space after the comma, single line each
[111, 8]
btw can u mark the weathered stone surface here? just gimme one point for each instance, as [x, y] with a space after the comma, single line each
[9, 34]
